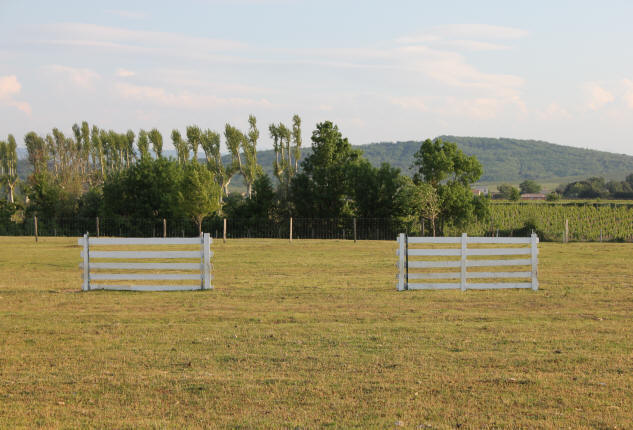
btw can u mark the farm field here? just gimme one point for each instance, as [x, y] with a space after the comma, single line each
[313, 334]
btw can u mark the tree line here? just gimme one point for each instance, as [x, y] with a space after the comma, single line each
[590, 188]
[97, 172]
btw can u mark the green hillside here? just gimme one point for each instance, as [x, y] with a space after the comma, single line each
[504, 159]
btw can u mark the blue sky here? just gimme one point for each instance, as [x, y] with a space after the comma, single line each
[560, 71]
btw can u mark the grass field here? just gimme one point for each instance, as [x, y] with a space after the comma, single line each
[313, 334]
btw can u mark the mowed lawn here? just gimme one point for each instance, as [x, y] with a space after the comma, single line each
[313, 334]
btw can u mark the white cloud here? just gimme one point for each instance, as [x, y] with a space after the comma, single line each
[182, 99]
[123, 40]
[475, 45]
[410, 103]
[452, 69]
[83, 78]
[10, 87]
[124, 73]
[555, 111]
[628, 92]
[597, 96]
[465, 37]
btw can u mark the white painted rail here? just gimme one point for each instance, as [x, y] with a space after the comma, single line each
[454, 256]
[198, 264]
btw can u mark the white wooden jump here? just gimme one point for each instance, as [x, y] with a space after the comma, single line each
[198, 267]
[456, 258]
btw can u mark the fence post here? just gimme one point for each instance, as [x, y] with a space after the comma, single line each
[566, 238]
[98, 234]
[354, 230]
[534, 246]
[86, 284]
[207, 262]
[224, 233]
[463, 261]
[401, 262]
[290, 229]
[35, 222]
[164, 228]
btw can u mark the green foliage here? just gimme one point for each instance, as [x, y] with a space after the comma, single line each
[198, 193]
[323, 189]
[529, 187]
[373, 189]
[553, 197]
[508, 192]
[588, 189]
[587, 221]
[147, 191]
[48, 200]
[157, 142]
[450, 172]
[437, 162]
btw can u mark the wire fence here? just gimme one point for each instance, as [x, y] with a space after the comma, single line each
[236, 228]
[555, 223]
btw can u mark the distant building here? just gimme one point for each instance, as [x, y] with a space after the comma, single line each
[533, 196]
[479, 191]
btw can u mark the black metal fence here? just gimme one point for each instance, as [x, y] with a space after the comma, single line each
[236, 228]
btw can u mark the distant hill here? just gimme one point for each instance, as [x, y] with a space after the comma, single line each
[503, 159]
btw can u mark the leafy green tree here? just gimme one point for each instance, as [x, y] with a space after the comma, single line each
[143, 145]
[250, 170]
[450, 172]
[182, 148]
[296, 140]
[147, 191]
[417, 201]
[37, 151]
[323, 189]
[199, 193]
[194, 138]
[234, 140]
[509, 192]
[553, 197]
[8, 166]
[529, 187]
[373, 189]
[590, 188]
[437, 162]
[211, 146]
[157, 142]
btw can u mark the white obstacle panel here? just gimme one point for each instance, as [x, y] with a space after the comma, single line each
[442, 263]
[100, 267]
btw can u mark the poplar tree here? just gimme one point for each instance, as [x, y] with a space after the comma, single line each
[157, 142]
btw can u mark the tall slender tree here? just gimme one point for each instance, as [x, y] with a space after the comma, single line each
[157, 142]
[250, 169]
[194, 136]
[142, 143]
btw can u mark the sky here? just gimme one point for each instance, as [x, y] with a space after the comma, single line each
[560, 71]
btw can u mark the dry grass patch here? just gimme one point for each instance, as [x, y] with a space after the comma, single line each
[313, 334]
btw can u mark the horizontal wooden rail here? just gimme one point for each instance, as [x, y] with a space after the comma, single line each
[143, 254]
[145, 266]
[147, 287]
[143, 276]
[142, 241]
